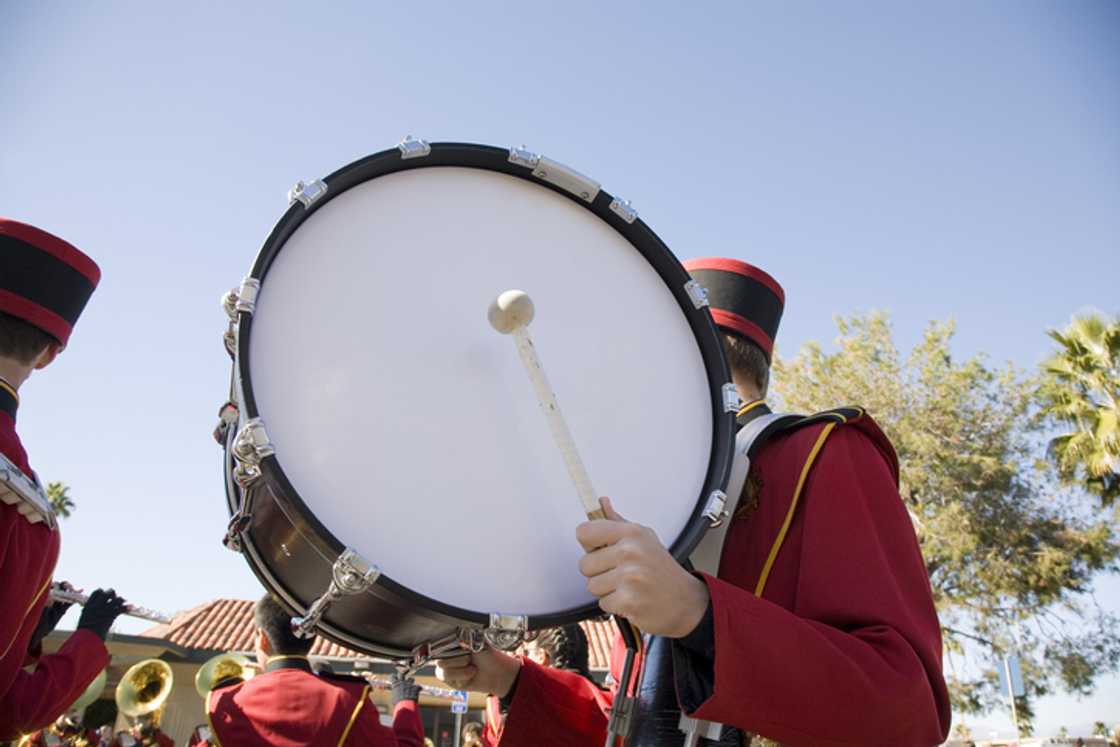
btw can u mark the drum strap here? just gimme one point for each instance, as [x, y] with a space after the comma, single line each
[707, 555]
[750, 438]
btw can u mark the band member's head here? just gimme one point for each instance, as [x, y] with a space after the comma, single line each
[145, 727]
[274, 632]
[564, 648]
[44, 285]
[472, 734]
[746, 305]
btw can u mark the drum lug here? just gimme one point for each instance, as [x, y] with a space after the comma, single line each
[624, 210]
[697, 292]
[307, 192]
[229, 339]
[252, 444]
[229, 303]
[350, 574]
[506, 632]
[227, 418]
[715, 510]
[413, 148]
[238, 523]
[732, 402]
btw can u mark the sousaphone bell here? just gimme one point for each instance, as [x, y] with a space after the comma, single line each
[144, 689]
[223, 668]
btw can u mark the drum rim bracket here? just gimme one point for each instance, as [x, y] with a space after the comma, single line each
[307, 192]
[412, 147]
[715, 510]
[732, 402]
[623, 209]
[506, 632]
[697, 292]
[350, 574]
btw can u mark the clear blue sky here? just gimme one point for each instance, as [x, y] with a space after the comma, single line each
[955, 159]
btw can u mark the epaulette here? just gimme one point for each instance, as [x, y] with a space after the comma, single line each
[21, 491]
[838, 415]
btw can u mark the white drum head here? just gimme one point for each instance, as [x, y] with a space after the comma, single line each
[408, 425]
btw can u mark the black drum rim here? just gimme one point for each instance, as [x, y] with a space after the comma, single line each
[637, 234]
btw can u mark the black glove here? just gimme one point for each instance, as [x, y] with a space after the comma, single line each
[100, 611]
[403, 688]
[52, 613]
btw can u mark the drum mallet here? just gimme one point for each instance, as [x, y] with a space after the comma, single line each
[510, 314]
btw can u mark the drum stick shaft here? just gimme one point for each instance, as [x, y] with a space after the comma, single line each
[556, 423]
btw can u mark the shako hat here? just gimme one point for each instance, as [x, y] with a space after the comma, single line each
[743, 299]
[44, 280]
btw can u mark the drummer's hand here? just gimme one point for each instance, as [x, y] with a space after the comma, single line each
[634, 576]
[487, 671]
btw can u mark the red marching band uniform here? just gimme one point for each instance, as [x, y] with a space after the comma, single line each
[46, 282]
[288, 706]
[821, 626]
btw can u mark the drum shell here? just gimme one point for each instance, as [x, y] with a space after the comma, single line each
[292, 561]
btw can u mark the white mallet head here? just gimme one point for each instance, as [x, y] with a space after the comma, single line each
[510, 311]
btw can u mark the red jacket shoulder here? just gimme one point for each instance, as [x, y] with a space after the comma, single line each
[796, 441]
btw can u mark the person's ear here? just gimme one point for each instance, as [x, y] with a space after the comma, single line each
[263, 643]
[48, 355]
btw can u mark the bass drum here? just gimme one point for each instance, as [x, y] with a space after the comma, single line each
[390, 475]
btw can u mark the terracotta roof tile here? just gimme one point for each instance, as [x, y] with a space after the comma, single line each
[227, 625]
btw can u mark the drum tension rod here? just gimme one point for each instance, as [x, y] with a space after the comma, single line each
[350, 574]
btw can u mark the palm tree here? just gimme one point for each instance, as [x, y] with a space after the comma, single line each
[59, 496]
[1080, 390]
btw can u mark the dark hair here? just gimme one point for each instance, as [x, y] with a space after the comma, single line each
[566, 648]
[747, 360]
[21, 340]
[271, 617]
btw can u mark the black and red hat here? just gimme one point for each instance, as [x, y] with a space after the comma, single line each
[743, 299]
[44, 280]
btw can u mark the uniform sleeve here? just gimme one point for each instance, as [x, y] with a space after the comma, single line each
[407, 726]
[37, 698]
[569, 709]
[863, 643]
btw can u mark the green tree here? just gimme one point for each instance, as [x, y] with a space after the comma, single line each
[1011, 555]
[1100, 729]
[1080, 392]
[59, 496]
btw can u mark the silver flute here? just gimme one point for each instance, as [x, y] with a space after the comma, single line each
[439, 692]
[60, 594]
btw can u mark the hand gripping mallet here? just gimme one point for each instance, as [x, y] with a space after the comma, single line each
[510, 314]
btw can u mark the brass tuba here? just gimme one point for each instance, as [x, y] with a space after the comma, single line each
[144, 689]
[220, 668]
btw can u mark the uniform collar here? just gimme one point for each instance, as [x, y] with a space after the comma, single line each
[750, 411]
[9, 399]
[288, 661]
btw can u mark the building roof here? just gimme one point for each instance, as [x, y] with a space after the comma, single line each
[227, 625]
